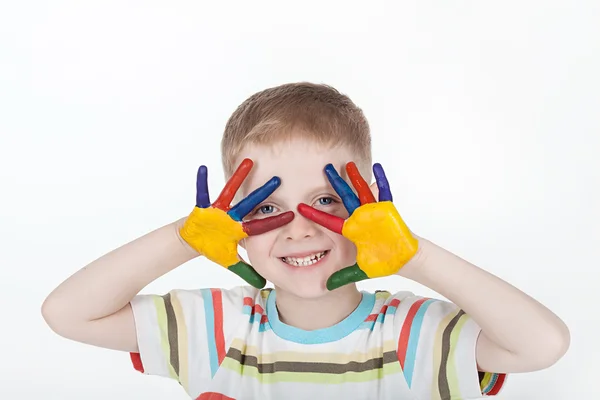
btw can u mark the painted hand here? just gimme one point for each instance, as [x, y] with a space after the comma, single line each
[383, 241]
[214, 230]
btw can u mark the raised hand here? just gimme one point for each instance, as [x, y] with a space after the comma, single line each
[214, 230]
[383, 241]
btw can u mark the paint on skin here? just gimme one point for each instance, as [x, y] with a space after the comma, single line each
[215, 230]
[386, 245]
[383, 241]
[214, 234]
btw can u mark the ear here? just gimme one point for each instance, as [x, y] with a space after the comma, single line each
[374, 190]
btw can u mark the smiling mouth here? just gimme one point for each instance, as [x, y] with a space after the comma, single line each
[304, 261]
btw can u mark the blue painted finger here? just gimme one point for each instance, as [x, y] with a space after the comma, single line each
[202, 197]
[385, 194]
[350, 200]
[241, 209]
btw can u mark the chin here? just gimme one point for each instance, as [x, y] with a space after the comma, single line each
[305, 286]
[302, 290]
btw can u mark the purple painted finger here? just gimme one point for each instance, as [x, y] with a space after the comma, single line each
[385, 194]
[202, 197]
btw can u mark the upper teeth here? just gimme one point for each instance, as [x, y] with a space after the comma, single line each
[303, 261]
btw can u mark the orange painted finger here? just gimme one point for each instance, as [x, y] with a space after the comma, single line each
[331, 222]
[233, 185]
[362, 187]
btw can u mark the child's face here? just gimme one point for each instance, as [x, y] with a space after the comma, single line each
[280, 256]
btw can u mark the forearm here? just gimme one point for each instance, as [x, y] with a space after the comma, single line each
[508, 317]
[109, 283]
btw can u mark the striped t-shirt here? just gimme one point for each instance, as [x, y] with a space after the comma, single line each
[231, 344]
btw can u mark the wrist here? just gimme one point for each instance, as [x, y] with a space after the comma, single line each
[178, 225]
[416, 265]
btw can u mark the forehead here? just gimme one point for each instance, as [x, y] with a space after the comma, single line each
[299, 163]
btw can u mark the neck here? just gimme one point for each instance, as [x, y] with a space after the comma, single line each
[317, 313]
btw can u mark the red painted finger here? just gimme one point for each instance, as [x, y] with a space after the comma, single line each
[329, 221]
[233, 185]
[259, 226]
[362, 187]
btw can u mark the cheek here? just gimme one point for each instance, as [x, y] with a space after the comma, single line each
[259, 247]
[346, 249]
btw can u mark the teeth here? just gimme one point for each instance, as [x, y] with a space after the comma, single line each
[303, 261]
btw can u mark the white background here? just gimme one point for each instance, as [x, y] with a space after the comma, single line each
[485, 115]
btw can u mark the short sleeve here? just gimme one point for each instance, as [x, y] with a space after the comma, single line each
[437, 351]
[184, 333]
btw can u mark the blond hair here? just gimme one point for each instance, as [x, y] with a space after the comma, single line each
[314, 111]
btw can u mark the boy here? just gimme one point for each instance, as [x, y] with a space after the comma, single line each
[315, 334]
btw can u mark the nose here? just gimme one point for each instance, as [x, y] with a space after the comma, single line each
[300, 228]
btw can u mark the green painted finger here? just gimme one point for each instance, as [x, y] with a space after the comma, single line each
[346, 276]
[249, 274]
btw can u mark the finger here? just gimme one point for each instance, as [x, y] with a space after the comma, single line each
[329, 221]
[351, 202]
[260, 226]
[385, 194]
[346, 276]
[362, 187]
[249, 274]
[233, 185]
[202, 197]
[247, 204]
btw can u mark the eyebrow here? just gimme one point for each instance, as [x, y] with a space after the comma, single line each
[323, 188]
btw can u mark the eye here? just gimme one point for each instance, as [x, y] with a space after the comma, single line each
[325, 201]
[266, 209]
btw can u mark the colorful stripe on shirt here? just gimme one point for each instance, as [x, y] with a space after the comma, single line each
[213, 311]
[378, 318]
[491, 383]
[256, 314]
[445, 383]
[173, 338]
[410, 333]
[291, 366]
